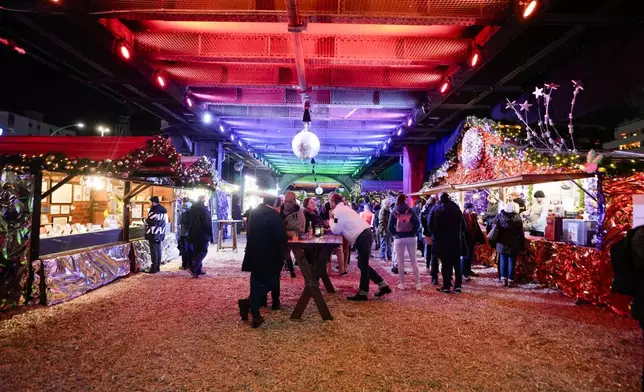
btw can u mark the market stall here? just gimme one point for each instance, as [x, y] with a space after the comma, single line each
[581, 209]
[86, 196]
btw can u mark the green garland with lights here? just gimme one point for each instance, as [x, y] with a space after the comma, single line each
[120, 168]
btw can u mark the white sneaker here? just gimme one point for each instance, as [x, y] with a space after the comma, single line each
[418, 287]
[401, 286]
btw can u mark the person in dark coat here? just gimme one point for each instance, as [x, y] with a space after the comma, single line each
[264, 258]
[199, 234]
[236, 211]
[510, 241]
[185, 248]
[431, 261]
[637, 255]
[473, 235]
[447, 228]
[155, 225]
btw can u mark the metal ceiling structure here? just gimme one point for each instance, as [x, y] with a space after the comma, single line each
[370, 69]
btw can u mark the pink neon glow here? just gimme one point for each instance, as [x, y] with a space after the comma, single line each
[19, 50]
[189, 102]
[325, 29]
[444, 87]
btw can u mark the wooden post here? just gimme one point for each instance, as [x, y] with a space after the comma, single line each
[34, 239]
[126, 211]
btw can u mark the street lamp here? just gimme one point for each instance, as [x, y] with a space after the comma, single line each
[103, 130]
[79, 125]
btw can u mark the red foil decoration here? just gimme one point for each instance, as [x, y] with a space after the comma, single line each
[582, 273]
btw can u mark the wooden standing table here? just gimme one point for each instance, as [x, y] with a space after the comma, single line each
[317, 251]
[220, 232]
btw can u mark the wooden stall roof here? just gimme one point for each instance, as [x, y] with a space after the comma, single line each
[435, 190]
[90, 147]
[525, 179]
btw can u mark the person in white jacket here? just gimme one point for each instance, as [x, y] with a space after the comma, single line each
[345, 221]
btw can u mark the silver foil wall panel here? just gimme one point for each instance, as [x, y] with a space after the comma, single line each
[169, 252]
[70, 275]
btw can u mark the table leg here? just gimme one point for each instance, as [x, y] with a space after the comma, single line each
[320, 269]
[219, 236]
[311, 289]
[233, 227]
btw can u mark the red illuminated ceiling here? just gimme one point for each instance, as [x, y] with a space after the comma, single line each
[365, 66]
[383, 44]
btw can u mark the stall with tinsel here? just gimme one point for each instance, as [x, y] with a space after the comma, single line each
[63, 175]
[488, 155]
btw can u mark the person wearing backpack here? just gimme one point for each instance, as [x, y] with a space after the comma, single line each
[404, 226]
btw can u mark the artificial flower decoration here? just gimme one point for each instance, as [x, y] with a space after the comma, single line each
[592, 162]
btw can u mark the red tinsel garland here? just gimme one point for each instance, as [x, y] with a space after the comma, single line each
[582, 273]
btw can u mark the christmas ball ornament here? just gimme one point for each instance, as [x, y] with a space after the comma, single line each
[306, 144]
[472, 148]
[319, 190]
[239, 166]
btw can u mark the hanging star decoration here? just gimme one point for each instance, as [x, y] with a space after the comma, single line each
[525, 106]
[538, 92]
[552, 86]
[511, 105]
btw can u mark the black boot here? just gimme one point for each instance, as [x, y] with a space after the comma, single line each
[257, 320]
[244, 308]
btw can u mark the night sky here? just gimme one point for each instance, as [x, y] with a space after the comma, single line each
[27, 84]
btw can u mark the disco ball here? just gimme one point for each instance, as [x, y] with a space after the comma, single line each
[239, 166]
[319, 190]
[306, 144]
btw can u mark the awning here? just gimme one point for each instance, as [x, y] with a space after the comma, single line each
[136, 158]
[525, 179]
[90, 147]
[435, 190]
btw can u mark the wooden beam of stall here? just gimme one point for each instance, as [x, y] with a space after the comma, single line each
[57, 186]
[126, 212]
[34, 239]
[136, 191]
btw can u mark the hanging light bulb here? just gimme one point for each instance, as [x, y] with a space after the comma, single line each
[319, 190]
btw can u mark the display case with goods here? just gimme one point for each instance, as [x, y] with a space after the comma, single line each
[76, 217]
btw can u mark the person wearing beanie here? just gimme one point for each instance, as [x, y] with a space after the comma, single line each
[155, 231]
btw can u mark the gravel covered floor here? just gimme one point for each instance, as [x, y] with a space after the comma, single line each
[170, 332]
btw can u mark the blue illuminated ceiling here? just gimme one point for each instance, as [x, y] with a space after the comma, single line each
[353, 126]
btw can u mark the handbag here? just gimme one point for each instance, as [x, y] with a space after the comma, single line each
[493, 235]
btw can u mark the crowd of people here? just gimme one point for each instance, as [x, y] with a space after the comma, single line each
[437, 228]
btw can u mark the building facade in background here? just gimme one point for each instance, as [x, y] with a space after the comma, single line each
[628, 137]
[29, 124]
